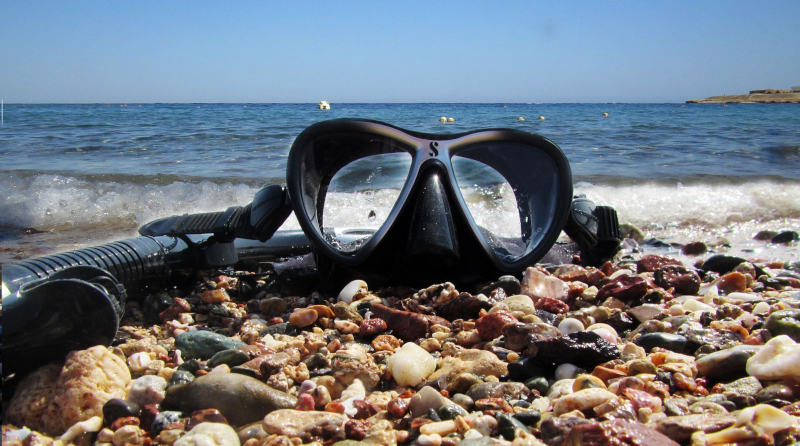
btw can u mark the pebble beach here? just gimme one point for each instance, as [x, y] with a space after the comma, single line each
[644, 349]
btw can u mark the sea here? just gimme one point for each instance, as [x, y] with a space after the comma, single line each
[76, 175]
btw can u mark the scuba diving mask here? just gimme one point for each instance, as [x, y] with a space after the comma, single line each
[377, 198]
[384, 202]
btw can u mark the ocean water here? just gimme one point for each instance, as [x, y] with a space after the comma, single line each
[78, 175]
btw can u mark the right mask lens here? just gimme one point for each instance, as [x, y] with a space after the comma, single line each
[491, 202]
[511, 190]
[360, 197]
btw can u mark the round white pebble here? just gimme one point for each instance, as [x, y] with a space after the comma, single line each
[570, 325]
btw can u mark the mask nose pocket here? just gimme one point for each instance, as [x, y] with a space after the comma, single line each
[432, 233]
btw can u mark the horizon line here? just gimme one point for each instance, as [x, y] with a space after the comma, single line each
[344, 103]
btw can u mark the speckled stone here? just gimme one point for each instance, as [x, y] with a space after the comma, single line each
[241, 399]
[204, 344]
[669, 341]
[785, 322]
[728, 363]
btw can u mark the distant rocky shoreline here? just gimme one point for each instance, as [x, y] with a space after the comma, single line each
[768, 96]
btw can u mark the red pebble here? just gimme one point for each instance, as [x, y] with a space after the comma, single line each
[397, 407]
[551, 305]
[364, 409]
[490, 325]
[124, 421]
[205, 415]
[305, 402]
[625, 288]
[371, 327]
[356, 429]
[334, 406]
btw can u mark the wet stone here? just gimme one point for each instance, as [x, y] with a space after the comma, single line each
[625, 288]
[524, 369]
[504, 390]
[180, 377]
[694, 249]
[450, 411]
[683, 280]
[231, 357]
[669, 341]
[774, 392]
[163, 419]
[463, 306]
[119, 408]
[539, 384]
[584, 349]
[528, 417]
[204, 344]
[728, 363]
[508, 283]
[241, 399]
[507, 425]
[721, 263]
[785, 322]
[785, 237]
[654, 262]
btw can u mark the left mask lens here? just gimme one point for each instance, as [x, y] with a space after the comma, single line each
[360, 197]
[349, 183]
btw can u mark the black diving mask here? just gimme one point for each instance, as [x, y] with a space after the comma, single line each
[382, 201]
[371, 195]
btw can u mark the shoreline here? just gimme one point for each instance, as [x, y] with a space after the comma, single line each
[753, 98]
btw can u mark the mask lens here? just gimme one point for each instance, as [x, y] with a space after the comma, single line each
[511, 190]
[491, 202]
[360, 197]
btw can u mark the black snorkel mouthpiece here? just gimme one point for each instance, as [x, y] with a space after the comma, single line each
[72, 309]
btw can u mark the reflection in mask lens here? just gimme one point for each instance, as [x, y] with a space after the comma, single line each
[360, 197]
[492, 204]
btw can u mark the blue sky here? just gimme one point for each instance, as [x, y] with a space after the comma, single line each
[382, 51]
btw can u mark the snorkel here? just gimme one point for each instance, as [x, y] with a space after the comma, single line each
[430, 233]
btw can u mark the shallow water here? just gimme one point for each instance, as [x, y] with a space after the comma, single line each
[682, 172]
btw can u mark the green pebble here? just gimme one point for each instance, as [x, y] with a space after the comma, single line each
[785, 322]
[538, 383]
[507, 426]
[231, 357]
[450, 411]
[204, 344]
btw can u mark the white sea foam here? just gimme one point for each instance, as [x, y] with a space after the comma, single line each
[679, 213]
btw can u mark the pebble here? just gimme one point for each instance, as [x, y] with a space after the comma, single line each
[303, 317]
[215, 296]
[547, 366]
[241, 399]
[582, 400]
[570, 325]
[775, 391]
[230, 357]
[537, 284]
[410, 364]
[352, 290]
[777, 360]
[148, 389]
[204, 344]
[425, 399]
[669, 341]
[785, 322]
[209, 434]
[302, 424]
[728, 363]
[53, 398]
[119, 408]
